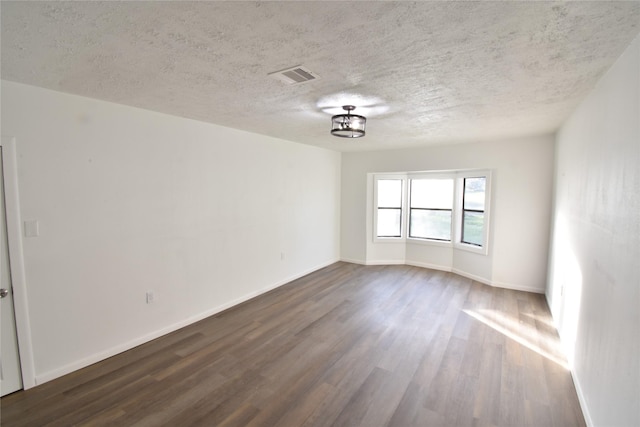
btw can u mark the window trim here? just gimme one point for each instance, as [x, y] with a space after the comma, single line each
[433, 175]
[457, 211]
[403, 211]
[458, 243]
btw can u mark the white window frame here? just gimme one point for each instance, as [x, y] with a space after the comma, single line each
[458, 243]
[457, 211]
[431, 175]
[403, 206]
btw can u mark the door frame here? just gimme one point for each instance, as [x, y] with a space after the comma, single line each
[16, 261]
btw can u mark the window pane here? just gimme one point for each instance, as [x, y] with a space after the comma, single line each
[472, 227]
[432, 193]
[427, 224]
[474, 193]
[389, 222]
[389, 193]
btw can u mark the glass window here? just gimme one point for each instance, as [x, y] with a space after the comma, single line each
[389, 215]
[473, 201]
[444, 208]
[430, 209]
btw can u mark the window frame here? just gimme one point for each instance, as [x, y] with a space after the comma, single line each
[465, 210]
[458, 243]
[457, 211]
[433, 175]
[403, 215]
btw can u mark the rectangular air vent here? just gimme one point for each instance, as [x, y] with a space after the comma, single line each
[295, 75]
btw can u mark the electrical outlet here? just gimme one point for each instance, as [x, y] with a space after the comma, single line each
[151, 298]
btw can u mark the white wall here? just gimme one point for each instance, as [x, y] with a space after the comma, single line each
[130, 200]
[522, 173]
[594, 279]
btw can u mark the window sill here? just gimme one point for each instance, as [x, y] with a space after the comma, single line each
[480, 250]
[389, 240]
[428, 242]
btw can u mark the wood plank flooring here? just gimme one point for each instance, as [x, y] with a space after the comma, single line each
[347, 345]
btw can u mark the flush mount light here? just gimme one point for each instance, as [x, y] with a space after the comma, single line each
[348, 125]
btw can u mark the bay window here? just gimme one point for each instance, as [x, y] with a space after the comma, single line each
[433, 208]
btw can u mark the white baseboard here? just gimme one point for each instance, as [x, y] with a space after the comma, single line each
[94, 358]
[448, 269]
[518, 287]
[497, 284]
[582, 400]
[576, 382]
[386, 262]
[429, 266]
[472, 276]
[354, 261]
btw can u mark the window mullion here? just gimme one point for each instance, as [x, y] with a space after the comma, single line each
[465, 224]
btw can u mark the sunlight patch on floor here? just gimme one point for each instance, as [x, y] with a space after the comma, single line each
[521, 333]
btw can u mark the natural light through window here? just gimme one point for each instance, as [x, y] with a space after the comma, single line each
[431, 205]
[433, 208]
[522, 333]
[567, 282]
[473, 210]
[389, 201]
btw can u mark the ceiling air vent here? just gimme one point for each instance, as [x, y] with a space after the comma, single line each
[295, 75]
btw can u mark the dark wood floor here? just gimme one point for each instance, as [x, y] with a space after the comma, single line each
[347, 345]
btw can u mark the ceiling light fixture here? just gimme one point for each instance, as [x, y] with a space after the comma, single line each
[348, 125]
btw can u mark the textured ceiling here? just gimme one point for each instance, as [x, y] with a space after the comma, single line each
[422, 72]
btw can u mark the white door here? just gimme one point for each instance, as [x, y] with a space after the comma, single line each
[10, 376]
